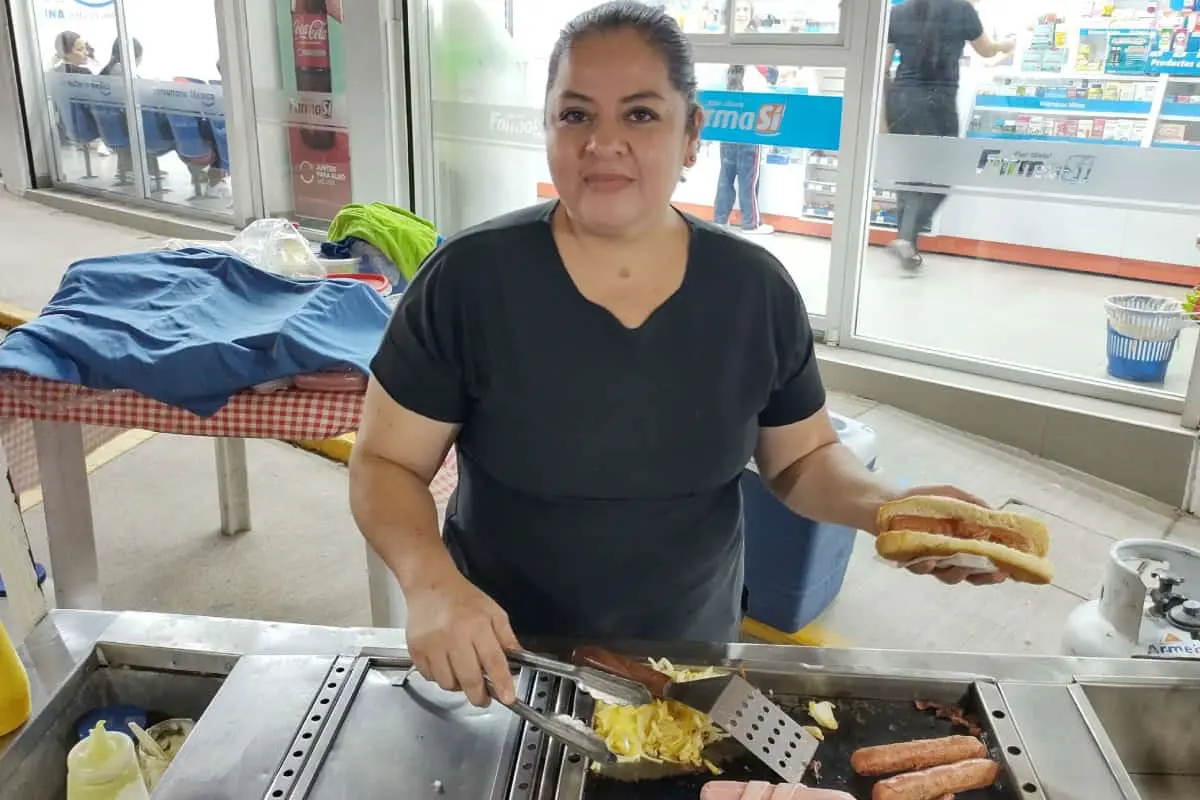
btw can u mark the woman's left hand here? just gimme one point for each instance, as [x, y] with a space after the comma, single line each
[952, 574]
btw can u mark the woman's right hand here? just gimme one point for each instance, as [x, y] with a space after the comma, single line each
[456, 635]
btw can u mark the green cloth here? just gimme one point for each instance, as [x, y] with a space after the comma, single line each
[403, 237]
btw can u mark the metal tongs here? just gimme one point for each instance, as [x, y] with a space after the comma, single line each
[571, 732]
[601, 685]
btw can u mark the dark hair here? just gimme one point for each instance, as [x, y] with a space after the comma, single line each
[115, 58]
[64, 43]
[656, 26]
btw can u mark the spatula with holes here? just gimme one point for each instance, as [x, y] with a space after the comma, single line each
[731, 702]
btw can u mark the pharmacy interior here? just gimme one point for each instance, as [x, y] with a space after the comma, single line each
[1066, 182]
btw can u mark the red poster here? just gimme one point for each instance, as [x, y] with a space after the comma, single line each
[320, 176]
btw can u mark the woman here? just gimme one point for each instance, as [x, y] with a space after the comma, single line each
[606, 367]
[922, 100]
[741, 164]
[115, 65]
[71, 56]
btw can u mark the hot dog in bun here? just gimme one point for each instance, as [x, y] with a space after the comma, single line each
[923, 527]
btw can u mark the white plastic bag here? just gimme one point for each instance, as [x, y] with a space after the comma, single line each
[272, 245]
[276, 246]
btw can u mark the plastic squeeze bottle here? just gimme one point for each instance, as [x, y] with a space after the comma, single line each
[14, 687]
[104, 767]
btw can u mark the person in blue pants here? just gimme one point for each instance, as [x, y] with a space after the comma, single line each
[740, 171]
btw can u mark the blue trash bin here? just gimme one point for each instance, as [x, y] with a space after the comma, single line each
[795, 566]
[1142, 332]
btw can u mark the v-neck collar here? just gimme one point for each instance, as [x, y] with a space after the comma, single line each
[560, 267]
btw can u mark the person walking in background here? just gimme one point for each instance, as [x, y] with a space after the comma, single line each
[922, 99]
[741, 164]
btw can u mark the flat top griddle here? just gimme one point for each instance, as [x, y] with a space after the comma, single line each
[861, 723]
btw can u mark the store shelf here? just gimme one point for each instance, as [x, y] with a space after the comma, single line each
[1176, 145]
[1049, 105]
[1180, 111]
[1027, 137]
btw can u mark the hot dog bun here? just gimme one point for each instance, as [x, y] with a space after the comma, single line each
[920, 527]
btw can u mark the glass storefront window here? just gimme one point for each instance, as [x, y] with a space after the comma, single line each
[297, 68]
[787, 16]
[1043, 156]
[179, 118]
[767, 164]
[180, 102]
[86, 108]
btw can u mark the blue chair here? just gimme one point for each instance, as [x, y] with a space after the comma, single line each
[158, 141]
[114, 132]
[193, 148]
[220, 140]
[78, 127]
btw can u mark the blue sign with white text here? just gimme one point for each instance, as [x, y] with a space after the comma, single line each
[779, 119]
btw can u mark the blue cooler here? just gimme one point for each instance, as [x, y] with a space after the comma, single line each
[794, 566]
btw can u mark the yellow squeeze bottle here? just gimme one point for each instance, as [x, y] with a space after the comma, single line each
[14, 687]
[104, 767]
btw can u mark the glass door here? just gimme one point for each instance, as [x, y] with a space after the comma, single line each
[180, 106]
[85, 101]
[1031, 216]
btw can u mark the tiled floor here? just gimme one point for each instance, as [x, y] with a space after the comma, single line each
[884, 607]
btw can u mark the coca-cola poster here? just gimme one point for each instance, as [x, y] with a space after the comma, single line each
[310, 45]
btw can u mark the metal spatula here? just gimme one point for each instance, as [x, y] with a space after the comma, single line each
[731, 702]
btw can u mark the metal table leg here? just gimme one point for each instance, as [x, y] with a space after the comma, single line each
[62, 464]
[233, 486]
[26, 603]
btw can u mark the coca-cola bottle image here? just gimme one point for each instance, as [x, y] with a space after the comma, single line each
[310, 46]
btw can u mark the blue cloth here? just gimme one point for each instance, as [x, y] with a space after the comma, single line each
[193, 327]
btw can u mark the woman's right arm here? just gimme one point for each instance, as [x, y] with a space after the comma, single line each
[417, 400]
[396, 454]
[988, 47]
[455, 633]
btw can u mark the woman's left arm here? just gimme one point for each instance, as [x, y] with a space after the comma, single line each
[816, 476]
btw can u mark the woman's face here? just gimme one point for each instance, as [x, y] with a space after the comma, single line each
[617, 133]
[79, 52]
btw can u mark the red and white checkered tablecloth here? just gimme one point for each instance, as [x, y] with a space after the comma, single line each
[290, 414]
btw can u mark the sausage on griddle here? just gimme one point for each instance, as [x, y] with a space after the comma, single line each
[935, 782]
[888, 759]
[758, 790]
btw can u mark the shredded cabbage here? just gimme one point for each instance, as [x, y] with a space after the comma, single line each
[663, 731]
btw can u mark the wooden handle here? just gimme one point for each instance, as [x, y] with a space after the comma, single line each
[628, 668]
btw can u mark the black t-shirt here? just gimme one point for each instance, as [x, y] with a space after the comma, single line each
[930, 36]
[598, 489]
